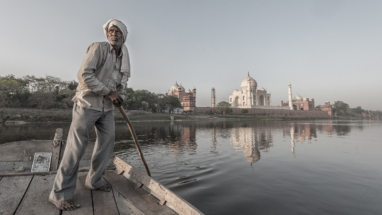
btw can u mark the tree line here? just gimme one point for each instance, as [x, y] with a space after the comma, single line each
[52, 92]
[341, 108]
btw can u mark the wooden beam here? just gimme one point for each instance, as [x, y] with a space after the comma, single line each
[104, 202]
[125, 207]
[35, 200]
[173, 201]
[126, 188]
[56, 151]
[13, 173]
[12, 190]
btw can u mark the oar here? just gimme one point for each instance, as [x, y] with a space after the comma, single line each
[135, 139]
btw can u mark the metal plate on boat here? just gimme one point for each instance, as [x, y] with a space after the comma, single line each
[41, 162]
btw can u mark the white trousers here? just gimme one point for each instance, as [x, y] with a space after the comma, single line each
[83, 120]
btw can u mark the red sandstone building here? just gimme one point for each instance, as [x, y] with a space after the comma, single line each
[300, 103]
[327, 107]
[187, 99]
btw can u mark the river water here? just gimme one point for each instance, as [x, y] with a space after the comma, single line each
[254, 167]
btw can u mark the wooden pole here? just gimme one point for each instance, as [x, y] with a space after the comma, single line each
[135, 139]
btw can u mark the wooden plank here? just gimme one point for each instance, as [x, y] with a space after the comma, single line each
[126, 188]
[104, 202]
[13, 165]
[12, 190]
[174, 202]
[27, 172]
[125, 207]
[23, 150]
[35, 201]
[56, 151]
[82, 196]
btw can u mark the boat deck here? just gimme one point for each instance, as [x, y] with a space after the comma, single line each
[28, 194]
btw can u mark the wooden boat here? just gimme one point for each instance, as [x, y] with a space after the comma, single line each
[26, 192]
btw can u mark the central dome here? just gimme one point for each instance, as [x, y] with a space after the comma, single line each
[244, 83]
[175, 87]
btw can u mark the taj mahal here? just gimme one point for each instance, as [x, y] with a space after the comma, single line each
[250, 96]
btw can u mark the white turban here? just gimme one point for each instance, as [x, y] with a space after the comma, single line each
[125, 67]
[119, 24]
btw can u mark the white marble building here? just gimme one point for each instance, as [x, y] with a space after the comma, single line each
[250, 96]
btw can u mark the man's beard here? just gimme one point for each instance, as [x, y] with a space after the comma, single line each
[116, 43]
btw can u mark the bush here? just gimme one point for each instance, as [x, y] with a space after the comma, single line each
[244, 111]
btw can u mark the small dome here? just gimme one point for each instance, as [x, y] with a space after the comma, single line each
[298, 97]
[182, 88]
[189, 91]
[175, 87]
[305, 98]
[262, 89]
[244, 83]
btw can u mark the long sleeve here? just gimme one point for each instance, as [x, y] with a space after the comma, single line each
[122, 87]
[86, 74]
[126, 72]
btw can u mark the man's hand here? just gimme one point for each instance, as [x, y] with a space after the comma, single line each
[115, 98]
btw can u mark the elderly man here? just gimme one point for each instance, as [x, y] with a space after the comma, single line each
[102, 80]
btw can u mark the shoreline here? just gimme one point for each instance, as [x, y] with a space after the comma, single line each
[12, 116]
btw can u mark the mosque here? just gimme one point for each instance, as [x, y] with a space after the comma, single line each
[250, 96]
[187, 99]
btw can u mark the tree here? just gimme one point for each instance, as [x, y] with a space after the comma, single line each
[13, 91]
[358, 110]
[162, 103]
[173, 102]
[131, 102]
[244, 111]
[42, 100]
[224, 107]
[72, 85]
[340, 107]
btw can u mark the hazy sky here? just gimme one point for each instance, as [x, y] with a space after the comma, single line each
[328, 50]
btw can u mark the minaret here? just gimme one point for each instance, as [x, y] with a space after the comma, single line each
[290, 96]
[249, 92]
[213, 97]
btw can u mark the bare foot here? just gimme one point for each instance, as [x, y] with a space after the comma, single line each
[66, 205]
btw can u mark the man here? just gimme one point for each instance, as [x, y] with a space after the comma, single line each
[102, 80]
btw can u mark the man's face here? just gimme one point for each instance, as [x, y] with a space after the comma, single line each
[115, 36]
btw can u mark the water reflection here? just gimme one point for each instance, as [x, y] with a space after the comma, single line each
[251, 140]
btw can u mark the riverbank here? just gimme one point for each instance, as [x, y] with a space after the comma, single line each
[65, 115]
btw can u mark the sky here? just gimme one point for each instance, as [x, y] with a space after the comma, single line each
[328, 50]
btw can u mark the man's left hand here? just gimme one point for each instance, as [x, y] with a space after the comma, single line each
[116, 98]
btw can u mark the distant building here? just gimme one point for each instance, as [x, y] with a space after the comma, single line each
[300, 103]
[326, 107]
[187, 99]
[249, 96]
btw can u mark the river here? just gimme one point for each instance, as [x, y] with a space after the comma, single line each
[254, 167]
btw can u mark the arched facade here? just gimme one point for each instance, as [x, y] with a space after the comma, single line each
[249, 96]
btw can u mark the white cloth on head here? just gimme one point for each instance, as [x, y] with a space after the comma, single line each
[119, 24]
[125, 67]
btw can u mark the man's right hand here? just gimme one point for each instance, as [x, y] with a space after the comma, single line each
[115, 98]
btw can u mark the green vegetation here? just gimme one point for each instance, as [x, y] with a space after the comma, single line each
[53, 93]
[32, 92]
[342, 109]
[244, 111]
[224, 107]
[35, 99]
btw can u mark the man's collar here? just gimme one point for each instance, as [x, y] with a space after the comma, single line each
[112, 50]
